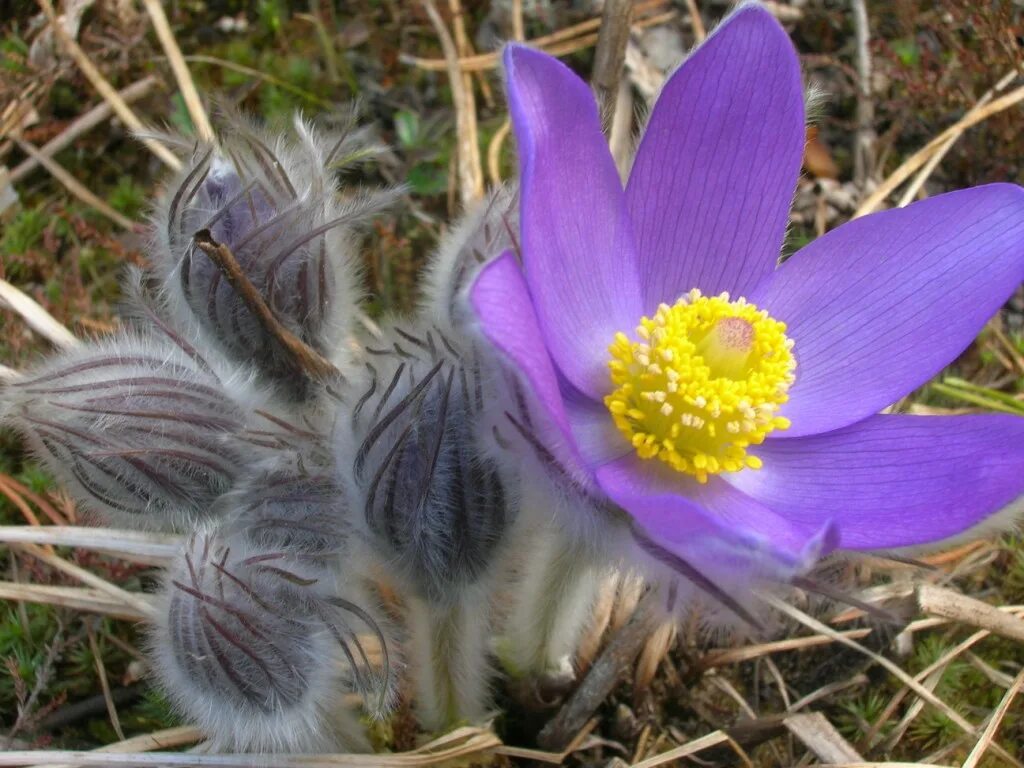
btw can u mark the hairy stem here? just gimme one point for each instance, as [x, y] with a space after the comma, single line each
[449, 650]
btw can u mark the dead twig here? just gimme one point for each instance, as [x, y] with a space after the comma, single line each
[101, 671]
[470, 173]
[204, 131]
[38, 319]
[610, 55]
[948, 604]
[305, 357]
[864, 137]
[901, 675]
[919, 158]
[923, 175]
[558, 43]
[974, 758]
[81, 125]
[105, 89]
[619, 654]
[696, 22]
[821, 737]
[75, 187]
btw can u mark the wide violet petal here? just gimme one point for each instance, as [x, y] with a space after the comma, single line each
[878, 306]
[577, 242]
[893, 480]
[712, 182]
[501, 301]
[722, 533]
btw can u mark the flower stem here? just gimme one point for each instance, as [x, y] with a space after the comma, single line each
[449, 658]
[556, 592]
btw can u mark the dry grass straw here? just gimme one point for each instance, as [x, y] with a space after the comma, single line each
[141, 604]
[560, 43]
[459, 744]
[900, 674]
[821, 737]
[938, 146]
[136, 546]
[105, 89]
[101, 672]
[79, 126]
[694, 747]
[76, 598]
[74, 186]
[37, 318]
[993, 723]
[948, 604]
[470, 173]
[194, 105]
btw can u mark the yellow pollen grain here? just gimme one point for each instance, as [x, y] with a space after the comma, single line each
[704, 380]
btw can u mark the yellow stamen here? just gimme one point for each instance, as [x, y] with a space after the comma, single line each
[703, 382]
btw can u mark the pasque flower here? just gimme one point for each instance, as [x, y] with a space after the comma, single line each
[727, 403]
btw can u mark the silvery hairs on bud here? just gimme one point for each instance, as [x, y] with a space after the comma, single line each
[288, 507]
[556, 578]
[487, 229]
[139, 430]
[259, 648]
[273, 200]
[427, 495]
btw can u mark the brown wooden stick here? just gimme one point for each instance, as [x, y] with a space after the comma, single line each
[557, 43]
[305, 357]
[611, 53]
[614, 660]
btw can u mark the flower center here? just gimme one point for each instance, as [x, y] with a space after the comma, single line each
[703, 382]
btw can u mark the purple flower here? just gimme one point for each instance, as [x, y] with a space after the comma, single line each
[729, 404]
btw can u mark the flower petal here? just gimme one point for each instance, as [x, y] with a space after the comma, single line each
[578, 251]
[724, 534]
[713, 180]
[501, 300]
[893, 481]
[881, 304]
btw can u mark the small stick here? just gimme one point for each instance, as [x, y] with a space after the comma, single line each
[105, 89]
[948, 604]
[38, 319]
[902, 676]
[307, 358]
[101, 671]
[985, 741]
[864, 137]
[617, 656]
[914, 186]
[185, 83]
[518, 29]
[75, 187]
[471, 176]
[699, 32]
[919, 158]
[81, 125]
[610, 55]
[572, 38]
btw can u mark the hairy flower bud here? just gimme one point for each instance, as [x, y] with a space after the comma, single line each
[274, 203]
[136, 428]
[259, 648]
[485, 231]
[290, 510]
[432, 500]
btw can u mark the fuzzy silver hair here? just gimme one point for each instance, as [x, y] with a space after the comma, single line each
[289, 509]
[258, 648]
[274, 202]
[136, 428]
[430, 499]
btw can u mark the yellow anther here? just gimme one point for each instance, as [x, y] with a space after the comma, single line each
[723, 372]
